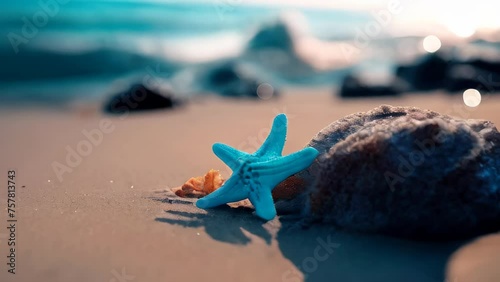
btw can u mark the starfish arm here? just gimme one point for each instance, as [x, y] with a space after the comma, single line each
[227, 193]
[273, 146]
[228, 154]
[256, 175]
[262, 200]
[274, 171]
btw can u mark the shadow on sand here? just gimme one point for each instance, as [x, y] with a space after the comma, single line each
[223, 223]
[322, 254]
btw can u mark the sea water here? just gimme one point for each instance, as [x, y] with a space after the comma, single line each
[57, 50]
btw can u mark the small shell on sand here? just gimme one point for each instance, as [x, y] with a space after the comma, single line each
[197, 187]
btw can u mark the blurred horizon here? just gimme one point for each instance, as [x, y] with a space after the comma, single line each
[63, 49]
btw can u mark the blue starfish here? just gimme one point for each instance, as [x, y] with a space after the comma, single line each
[255, 175]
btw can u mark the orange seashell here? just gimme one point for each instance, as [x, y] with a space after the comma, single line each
[197, 187]
[213, 180]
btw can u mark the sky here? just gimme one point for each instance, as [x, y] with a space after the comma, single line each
[460, 17]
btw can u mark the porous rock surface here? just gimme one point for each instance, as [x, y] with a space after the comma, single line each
[406, 172]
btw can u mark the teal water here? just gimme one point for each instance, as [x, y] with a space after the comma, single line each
[54, 50]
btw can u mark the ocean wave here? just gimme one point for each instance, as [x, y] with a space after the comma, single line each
[279, 49]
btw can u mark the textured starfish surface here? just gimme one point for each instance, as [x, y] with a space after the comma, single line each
[255, 175]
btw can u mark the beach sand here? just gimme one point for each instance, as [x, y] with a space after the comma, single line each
[112, 217]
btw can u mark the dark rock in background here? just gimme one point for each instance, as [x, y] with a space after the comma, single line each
[356, 86]
[491, 65]
[476, 73]
[461, 77]
[277, 35]
[446, 70]
[223, 75]
[230, 80]
[139, 98]
[406, 172]
[428, 73]
[274, 50]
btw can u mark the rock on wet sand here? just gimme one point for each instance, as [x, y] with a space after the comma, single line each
[406, 172]
[140, 98]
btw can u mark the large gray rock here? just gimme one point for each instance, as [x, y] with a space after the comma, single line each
[405, 172]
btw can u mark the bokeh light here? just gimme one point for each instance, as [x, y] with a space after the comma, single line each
[462, 30]
[472, 98]
[431, 43]
[265, 91]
